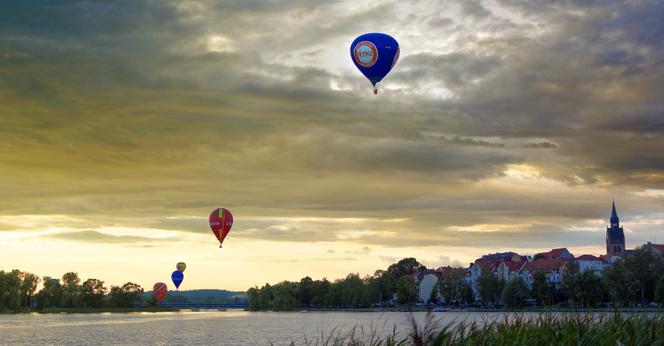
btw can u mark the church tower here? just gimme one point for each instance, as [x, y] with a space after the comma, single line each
[615, 238]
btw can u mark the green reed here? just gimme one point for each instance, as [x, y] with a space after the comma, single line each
[515, 329]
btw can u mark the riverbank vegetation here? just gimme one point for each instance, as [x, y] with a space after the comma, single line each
[634, 281]
[543, 329]
[17, 293]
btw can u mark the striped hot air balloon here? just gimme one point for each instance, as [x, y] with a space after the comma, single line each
[159, 290]
[221, 221]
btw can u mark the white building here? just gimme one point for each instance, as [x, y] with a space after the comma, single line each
[590, 262]
[426, 283]
[553, 269]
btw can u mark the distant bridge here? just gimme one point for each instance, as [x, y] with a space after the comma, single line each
[206, 305]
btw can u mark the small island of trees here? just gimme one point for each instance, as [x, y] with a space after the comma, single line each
[17, 293]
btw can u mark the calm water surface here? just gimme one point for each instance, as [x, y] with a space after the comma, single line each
[207, 327]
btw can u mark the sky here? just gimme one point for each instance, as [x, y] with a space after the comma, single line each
[505, 125]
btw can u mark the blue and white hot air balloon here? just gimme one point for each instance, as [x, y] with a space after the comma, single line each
[374, 54]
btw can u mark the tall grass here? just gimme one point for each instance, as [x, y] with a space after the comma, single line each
[543, 329]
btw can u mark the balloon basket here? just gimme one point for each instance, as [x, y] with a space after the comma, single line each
[375, 91]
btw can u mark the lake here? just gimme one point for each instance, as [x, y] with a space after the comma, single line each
[232, 327]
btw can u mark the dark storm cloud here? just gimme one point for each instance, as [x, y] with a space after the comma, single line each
[135, 109]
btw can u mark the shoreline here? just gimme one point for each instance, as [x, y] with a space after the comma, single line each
[375, 310]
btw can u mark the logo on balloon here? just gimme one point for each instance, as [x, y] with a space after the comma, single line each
[365, 53]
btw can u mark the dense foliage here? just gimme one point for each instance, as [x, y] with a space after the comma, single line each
[17, 292]
[349, 292]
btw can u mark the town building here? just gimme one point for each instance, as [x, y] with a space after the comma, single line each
[593, 263]
[553, 268]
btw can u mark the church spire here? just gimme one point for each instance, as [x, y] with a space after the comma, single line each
[615, 237]
[614, 215]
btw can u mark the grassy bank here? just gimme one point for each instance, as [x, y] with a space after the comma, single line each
[543, 329]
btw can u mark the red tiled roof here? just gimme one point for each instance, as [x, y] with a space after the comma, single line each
[555, 253]
[486, 266]
[513, 266]
[546, 264]
[588, 258]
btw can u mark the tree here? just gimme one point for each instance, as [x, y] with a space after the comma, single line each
[633, 278]
[387, 282]
[71, 296]
[28, 287]
[451, 284]
[70, 279]
[659, 291]
[285, 296]
[353, 291]
[333, 297]
[319, 290]
[373, 291]
[515, 292]
[50, 294]
[306, 292]
[152, 301]
[126, 296]
[591, 290]
[467, 295]
[265, 297]
[93, 291]
[10, 286]
[490, 287]
[405, 266]
[407, 291]
[253, 294]
[646, 267]
[621, 285]
[540, 288]
[571, 285]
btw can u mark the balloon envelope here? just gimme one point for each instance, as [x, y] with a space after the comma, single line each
[177, 278]
[221, 221]
[181, 266]
[374, 54]
[159, 290]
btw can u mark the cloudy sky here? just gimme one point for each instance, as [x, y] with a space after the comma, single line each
[505, 125]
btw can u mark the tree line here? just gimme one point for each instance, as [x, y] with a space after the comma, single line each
[635, 280]
[349, 292]
[17, 292]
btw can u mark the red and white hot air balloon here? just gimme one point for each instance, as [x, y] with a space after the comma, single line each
[159, 290]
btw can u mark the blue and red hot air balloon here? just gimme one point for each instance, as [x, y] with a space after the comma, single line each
[374, 54]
